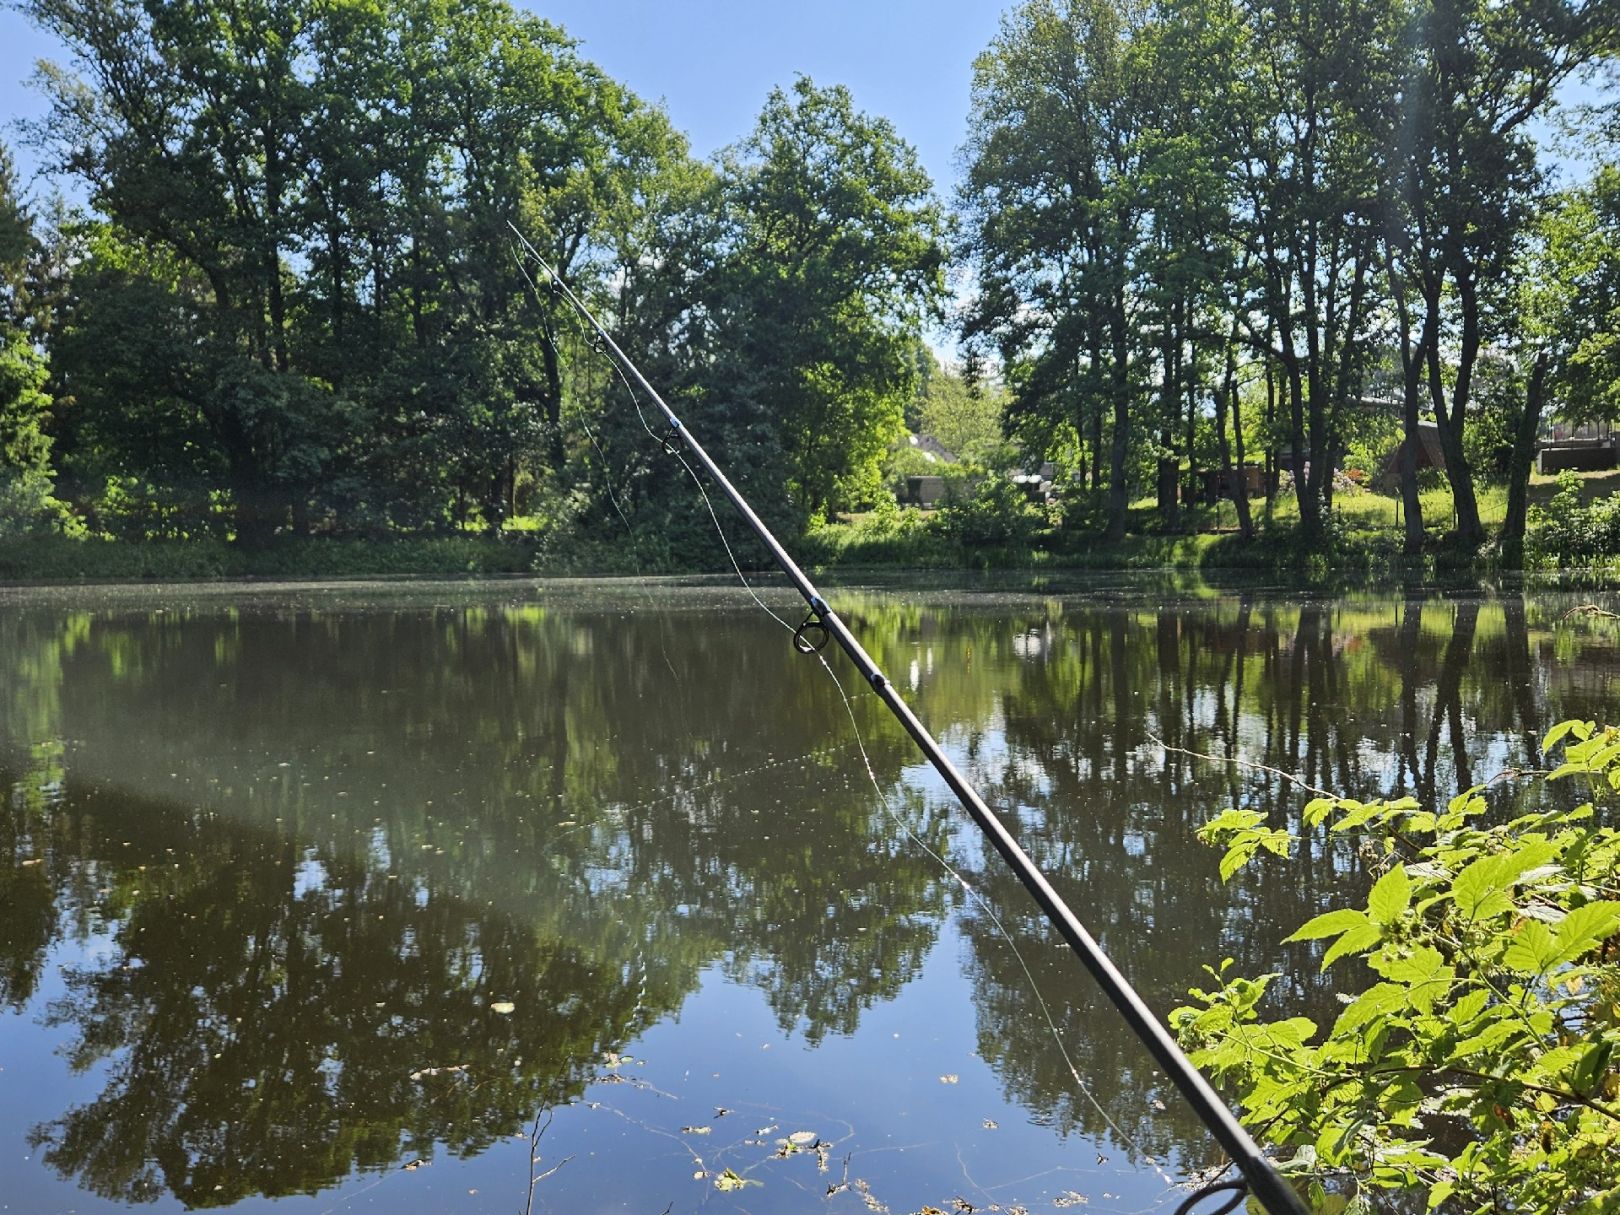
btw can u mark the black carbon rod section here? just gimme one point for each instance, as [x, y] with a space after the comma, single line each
[1264, 1181]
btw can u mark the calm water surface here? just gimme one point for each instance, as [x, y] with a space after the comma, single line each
[359, 898]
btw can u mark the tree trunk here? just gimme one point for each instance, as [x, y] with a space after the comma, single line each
[1310, 522]
[1119, 499]
[1233, 477]
[1524, 454]
[1449, 416]
[1412, 436]
[555, 451]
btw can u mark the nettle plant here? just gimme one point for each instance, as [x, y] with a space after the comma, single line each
[1478, 1065]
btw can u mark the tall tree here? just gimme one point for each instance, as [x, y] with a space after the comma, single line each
[1463, 178]
[1307, 119]
[1051, 198]
[1569, 330]
[25, 448]
[834, 257]
[321, 190]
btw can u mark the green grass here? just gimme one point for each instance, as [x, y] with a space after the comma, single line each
[1367, 538]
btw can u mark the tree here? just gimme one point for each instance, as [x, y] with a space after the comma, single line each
[966, 418]
[1569, 309]
[1463, 179]
[1054, 221]
[833, 258]
[25, 447]
[1308, 119]
[316, 196]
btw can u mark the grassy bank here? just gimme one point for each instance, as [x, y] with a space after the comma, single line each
[1366, 537]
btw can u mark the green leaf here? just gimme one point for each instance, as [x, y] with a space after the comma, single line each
[1469, 1006]
[1374, 1004]
[1532, 950]
[1353, 941]
[1328, 924]
[1422, 964]
[1391, 896]
[1557, 733]
[1480, 891]
[1586, 927]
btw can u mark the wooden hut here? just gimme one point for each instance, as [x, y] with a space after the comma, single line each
[1429, 454]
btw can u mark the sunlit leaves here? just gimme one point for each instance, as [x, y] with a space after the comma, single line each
[1496, 1017]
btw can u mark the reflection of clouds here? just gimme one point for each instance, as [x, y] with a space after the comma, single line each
[1030, 644]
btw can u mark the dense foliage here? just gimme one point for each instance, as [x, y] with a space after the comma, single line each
[1197, 235]
[296, 305]
[1479, 1060]
[1180, 213]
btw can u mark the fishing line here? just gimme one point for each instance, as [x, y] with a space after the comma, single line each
[594, 343]
[1260, 1176]
[551, 340]
[704, 786]
[1006, 936]
[1001, 929]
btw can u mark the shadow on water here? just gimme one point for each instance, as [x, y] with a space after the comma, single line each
[315, 887]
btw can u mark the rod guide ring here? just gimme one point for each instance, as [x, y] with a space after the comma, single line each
[670, 440]
[1235, 1191]
[812, 636]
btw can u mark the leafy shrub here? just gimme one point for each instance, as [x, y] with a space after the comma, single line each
[1482, 1063]
[1568, 531]
[998, 514]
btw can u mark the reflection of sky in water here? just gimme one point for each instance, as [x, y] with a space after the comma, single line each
[646, 833]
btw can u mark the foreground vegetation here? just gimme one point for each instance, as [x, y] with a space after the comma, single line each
[1479, 1060]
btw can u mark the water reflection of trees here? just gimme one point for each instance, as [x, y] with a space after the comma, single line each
[353, 854]
[1416, 694]
[274, 1018]
[356, 831]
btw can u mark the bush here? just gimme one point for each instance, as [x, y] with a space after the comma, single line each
[1482, 1063]
[1569, 532]
[997, 515]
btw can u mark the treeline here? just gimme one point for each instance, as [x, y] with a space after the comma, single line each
[1197, 231]
[298, 302]
[1342, 200]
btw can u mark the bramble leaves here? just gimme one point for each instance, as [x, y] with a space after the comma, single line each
[1493, 1026]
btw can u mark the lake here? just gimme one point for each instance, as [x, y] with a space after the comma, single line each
[596, 896]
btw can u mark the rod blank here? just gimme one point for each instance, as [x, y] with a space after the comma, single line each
[1262, 1177]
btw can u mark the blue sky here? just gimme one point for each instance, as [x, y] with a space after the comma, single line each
[712, 62]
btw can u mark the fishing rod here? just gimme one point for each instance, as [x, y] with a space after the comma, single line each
[1259, 1175]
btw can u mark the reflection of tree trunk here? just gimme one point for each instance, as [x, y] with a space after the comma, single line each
[1225, 724]
[1117, 644]
[1313, 623]
[1296, 695]
[1406, 651]
[1520, 674]
[1448, 692]
[1165, 639]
